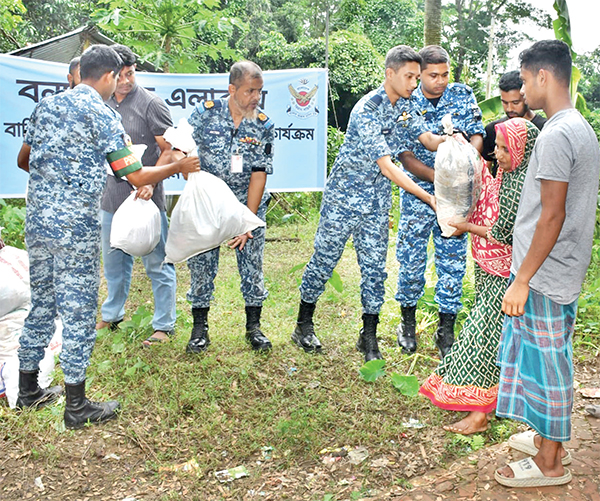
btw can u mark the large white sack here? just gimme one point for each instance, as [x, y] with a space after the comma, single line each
[14, 279]
[206, 215]
[457, 182]
[11, 326]
[9, 365]
[136, 226]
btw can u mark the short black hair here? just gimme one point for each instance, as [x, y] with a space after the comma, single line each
[98, 60]
[433, 54]
[241, 69]
[400, 55]
[551, 55]
[510, 81]
[74, 64]
[126, 54]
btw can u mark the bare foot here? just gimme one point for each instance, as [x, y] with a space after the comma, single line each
[474, 422]
[157, 337]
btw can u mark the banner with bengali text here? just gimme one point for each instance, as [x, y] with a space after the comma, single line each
[295, 100]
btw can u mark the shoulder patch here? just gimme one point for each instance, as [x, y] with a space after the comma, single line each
[373, 102]
[265, 120]
[203, 106]
[461, 87]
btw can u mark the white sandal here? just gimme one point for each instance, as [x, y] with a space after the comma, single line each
[524, 442]
[527, 474]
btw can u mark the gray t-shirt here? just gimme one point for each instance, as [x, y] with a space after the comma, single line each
[144, 115]
[567, 151]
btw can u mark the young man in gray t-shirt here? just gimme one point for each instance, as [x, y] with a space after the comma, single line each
[552, 246]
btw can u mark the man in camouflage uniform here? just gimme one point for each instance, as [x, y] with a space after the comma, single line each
[235, 143]
[357, 198]
[69, 138]
[433, 99]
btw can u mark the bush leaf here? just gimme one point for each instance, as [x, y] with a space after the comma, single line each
[372, 370]
[407, 385]
[336, 282]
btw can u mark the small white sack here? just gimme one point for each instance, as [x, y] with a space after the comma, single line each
[457, 182]
[14, 279]
[206, 215]
[136, 226]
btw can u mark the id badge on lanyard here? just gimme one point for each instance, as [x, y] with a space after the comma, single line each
[237, 161]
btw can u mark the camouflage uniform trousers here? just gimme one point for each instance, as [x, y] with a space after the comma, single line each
[204, 267]
[417, 222]
[65, 276]
[370, 235]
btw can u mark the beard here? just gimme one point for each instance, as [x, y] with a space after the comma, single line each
[250, 114]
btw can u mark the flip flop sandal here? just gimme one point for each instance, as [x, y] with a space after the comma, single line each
[523, 442]
[527, 474]
[151, 341]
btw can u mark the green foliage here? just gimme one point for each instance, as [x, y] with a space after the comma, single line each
[11, 18]
[406, 385]
[45, 19]
[12, 222]
[562, 25]
[491, 109]
[386, 23]
[464, 444]
[588, 307]
[466, 33]
[355, 66]
[589, 85]
[175, 35]
[372, 370]
[335, 139]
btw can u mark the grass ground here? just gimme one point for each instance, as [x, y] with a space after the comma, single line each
[273, 414]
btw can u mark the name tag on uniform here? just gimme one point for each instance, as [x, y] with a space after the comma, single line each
[385, 132]
[237, 163]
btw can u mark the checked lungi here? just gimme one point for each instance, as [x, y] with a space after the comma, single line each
[536, 367]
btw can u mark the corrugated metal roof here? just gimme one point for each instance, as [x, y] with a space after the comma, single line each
[63, 48]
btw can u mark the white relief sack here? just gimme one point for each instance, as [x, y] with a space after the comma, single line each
[457, 182]
[136, 226]
[14, 279]
[206, 215]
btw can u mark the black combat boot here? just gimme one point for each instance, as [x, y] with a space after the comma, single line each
[444, 337]
[367, 339]
[30, 393]
[254, 335]
[406, 331]
[199, 340]
[304, 334]
[79, 410]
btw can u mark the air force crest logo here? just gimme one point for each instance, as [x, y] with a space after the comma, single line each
[302, 100]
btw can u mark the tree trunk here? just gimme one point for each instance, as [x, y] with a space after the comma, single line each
[460, 59]
[433, 22]
[168, 42]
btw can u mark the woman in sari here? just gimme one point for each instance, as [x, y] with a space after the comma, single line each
[467, 378]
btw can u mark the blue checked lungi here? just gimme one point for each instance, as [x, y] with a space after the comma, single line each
[536, 367]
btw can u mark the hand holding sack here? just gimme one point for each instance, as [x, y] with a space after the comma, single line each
[136, 226]
[458, 172]
[206, 215]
